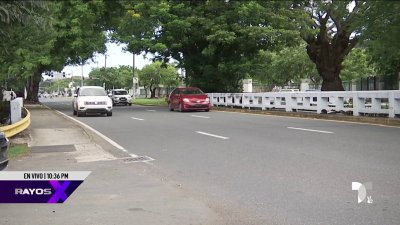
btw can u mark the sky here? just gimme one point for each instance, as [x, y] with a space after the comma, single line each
[115, 57]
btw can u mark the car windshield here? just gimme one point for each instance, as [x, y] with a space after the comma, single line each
[192, 92]
[120, 92]
[92, 92]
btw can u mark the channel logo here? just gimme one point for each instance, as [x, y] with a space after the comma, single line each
[39, 186]
[362, 191]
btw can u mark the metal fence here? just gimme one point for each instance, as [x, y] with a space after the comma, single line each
[358, 103]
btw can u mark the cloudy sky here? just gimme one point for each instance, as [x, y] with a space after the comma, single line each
[115, 57]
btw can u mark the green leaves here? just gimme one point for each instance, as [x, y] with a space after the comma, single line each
[356, 65]
[210, 39]
[156, 74]
[112, 77]
[278, 68]
[381, 36]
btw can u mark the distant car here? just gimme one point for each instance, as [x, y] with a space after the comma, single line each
[121, 96]
[190, 98]
[4, 147]
[91, 99]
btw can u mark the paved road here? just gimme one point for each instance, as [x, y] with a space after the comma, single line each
[274, 170]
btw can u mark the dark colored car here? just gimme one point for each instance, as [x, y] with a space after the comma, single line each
[4, 146]
[188, 99]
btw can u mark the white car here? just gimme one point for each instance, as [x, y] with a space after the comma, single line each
[121, 96]
[91, 99]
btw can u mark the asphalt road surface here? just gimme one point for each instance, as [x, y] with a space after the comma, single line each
[276, 170]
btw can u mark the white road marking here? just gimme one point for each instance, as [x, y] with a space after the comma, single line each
[319, 131]
[135, 118]
[206, 117]
[212, 135]
[301, 118]
[150, 110]
[98, 133]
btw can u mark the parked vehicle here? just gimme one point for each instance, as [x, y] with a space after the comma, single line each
[121, 96]
[91, 99]
[4, 148]
[190, 98]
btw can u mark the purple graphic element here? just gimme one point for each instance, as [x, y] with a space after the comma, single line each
[36, 191]
[60, 191]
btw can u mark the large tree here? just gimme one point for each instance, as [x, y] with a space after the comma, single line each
[212, 40]
[17, 18]
[156, 74]
[382, 38]
[79, 34]
[111, 77]
[280, 67]
[336, 28]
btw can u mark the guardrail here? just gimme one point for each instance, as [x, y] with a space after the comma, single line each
[18, 127]
[355, 102]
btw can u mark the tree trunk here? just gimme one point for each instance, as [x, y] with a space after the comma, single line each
[328, 52]
[328, 60]
[153, 92]
[332, 84]
[145, 91]
[33, 87]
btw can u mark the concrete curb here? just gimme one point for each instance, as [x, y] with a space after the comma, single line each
[334, 117]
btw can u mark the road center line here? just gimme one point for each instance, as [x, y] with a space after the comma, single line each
[205, 117]
[212, 135]
[136, 118]
[150, 110]
[319, 131]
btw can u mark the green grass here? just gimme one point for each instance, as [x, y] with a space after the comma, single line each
[150, 101]
[17, 150]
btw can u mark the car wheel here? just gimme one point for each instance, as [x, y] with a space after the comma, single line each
[181, 107]
[130, 104]
[3, 165]
[170, 107]
[80, 113]
[74, 112]
[207, 110]
[109, 114]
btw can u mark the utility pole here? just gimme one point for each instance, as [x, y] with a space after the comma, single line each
[133, 77]
[82, 76]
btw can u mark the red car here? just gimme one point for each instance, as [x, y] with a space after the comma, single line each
[189, 98]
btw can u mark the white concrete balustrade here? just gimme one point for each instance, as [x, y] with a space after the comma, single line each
[357, 102]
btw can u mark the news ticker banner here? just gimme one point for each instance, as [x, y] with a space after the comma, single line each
[39, 186]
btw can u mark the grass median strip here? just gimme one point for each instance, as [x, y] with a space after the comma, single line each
[150, 101]
[17, 150]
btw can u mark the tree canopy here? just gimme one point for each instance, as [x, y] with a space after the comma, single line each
[156, 74]
[211, 40]
[61, 33]
[111, 77]
[381, 36]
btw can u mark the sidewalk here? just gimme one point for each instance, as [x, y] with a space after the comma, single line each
[116, 192]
